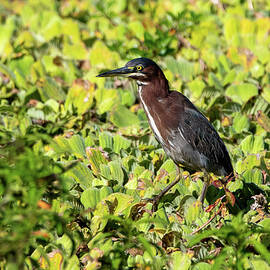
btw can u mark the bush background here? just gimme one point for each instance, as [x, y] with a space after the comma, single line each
[77, 154]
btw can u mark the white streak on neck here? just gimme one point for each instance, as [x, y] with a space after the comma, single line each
[140, 83]
[151, 119]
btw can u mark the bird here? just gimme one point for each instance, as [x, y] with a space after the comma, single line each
[185, 134]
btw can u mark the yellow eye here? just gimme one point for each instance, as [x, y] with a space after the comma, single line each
[139, 67]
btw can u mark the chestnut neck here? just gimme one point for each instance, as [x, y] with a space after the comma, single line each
[157, 87]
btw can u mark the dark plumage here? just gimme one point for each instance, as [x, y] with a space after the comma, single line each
[186, 135]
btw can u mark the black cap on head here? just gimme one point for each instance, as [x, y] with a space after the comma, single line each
[145, 62]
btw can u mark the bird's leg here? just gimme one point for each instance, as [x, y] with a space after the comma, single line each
[205, 187]
[157, 198]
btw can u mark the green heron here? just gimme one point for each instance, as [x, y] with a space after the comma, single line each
[185, 134]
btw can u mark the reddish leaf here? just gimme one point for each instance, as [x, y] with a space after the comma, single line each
[230, 197]
[43, 205]
[217, 184]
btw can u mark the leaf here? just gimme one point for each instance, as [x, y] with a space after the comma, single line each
[123, 117]
[106, 100]
[252, 144]
[55, 259]
[240, 123]
[241, 93]
[80, 95]
[253, 176]
[73, 263]
[74, 145]
[119, 142]
[6, 31]
[137, 28]
[263, 120]
[49, 89]
[82, 175]
[7, 71]
[192, 209]
[180, 260]
[21, 68]
[182, 67]
[261, 249]
[122, 202]
[116, 172]
[248, 163]
[196, 86]
[92, 196]
[101, 55]
[230, 197]
[53, 27]
[77, 146]
[266, 94]
[106, 140]
[231, 31]
[72, 50]
[203, 266]
[66, 244]
[95, 158]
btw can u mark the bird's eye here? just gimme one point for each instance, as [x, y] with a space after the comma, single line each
[139, 67]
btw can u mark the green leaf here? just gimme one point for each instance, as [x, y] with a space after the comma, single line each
[123, 117]
[66, 244]
[95, 158]
[241, 93]
[116, 171]
[21, 67]
[6, 31]
[106, 100]
[231, 31]
[257, 71]
[266, 94]
[192, 209]
[75, 51]
[182, 67]
[202, 266]
[77, 146]
[240, 123]
[122, 202]
[253, 176]
[92, 196]
[106, 140]
[49, 89]
[119, 142]
[180, 260]
[214, 81]
[80, 95]
[248, 163]
[137, 28]
[52, 28]
[196, 87]
[82, 175]
[252, 144]
[102, 56]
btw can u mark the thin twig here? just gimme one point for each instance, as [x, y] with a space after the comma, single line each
[208, 221]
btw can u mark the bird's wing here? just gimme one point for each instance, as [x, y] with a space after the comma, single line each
[197, 131]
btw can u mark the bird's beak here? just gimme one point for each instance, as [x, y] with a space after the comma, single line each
[123, 71]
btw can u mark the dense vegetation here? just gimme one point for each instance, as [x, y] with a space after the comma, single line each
[77, 155]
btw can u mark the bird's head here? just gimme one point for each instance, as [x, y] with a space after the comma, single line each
[143, 70]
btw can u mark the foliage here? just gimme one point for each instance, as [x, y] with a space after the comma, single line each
[77, 155]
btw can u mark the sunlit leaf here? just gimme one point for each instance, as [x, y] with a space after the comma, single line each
[80, 95]
[123, 117]
[241, 93]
